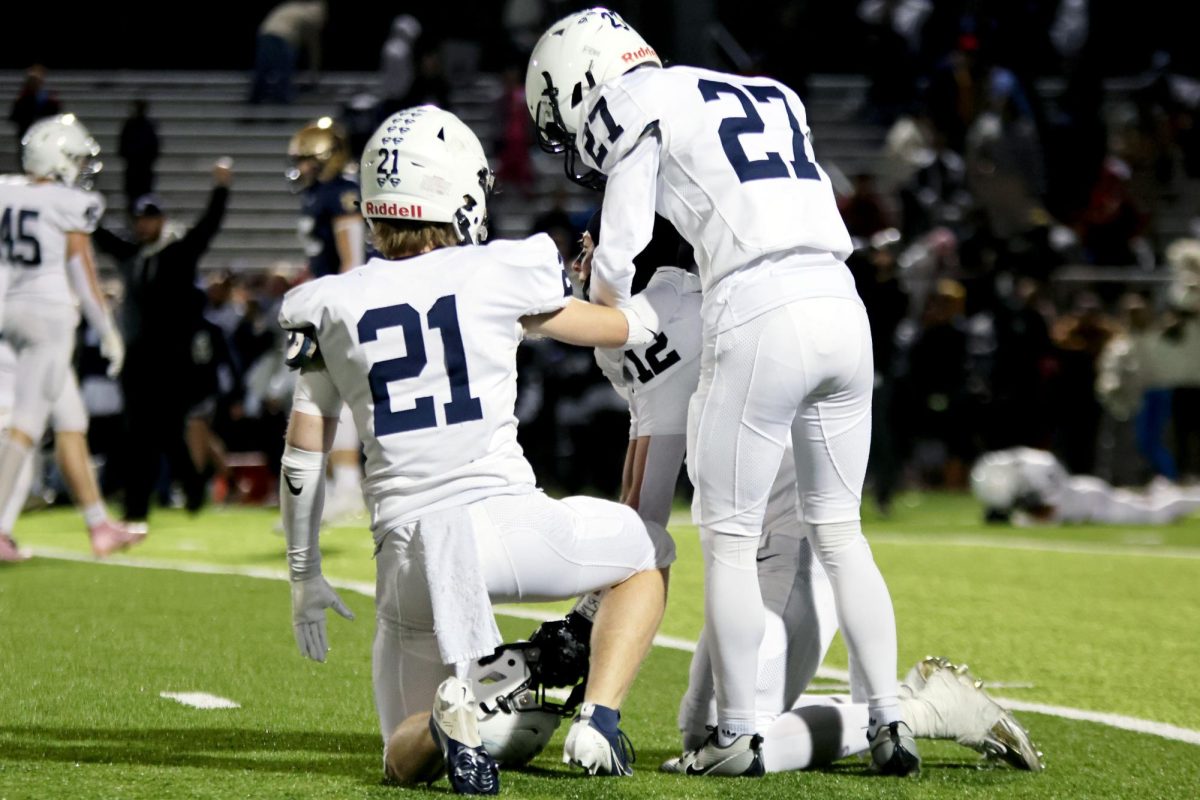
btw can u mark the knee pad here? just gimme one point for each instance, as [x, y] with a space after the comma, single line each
[730, 549]
[833, 537]
[664, 545]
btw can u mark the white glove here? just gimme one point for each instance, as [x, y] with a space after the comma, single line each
[310, 598]
[612, 364]
[642, 319]
[112, 347]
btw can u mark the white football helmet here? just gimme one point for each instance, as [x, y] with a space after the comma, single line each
[576, 54]
[996, 481]
[424, 165]
[515, 720]
[61, 149]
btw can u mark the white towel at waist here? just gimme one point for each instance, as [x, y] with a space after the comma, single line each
[462, 611]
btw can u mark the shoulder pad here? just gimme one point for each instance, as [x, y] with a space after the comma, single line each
[536, 250]
[302, 306]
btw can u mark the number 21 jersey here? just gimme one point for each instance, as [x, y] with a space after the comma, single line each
[423, 351]
[737, 176]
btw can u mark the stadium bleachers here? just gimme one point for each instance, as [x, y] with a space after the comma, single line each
[203, 115]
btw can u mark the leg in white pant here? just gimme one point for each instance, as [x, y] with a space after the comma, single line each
[804, 367]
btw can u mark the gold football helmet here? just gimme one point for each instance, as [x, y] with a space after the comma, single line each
[323, 144]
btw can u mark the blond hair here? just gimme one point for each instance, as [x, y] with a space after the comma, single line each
[402, 238]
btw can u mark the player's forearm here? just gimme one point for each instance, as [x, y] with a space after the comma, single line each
[627, 220]
[348, 233]
[81, 271]
[583, 324]
[302, 493]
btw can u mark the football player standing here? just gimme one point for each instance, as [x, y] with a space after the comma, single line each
[787, 345]
[47, 217]
[331, 231]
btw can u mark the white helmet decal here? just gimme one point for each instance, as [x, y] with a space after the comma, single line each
[423, 164]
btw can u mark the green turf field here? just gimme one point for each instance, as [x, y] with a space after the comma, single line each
[1091, 619]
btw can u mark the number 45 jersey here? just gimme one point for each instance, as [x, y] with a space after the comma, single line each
[35, 219]
[423, 351]
[737, 176]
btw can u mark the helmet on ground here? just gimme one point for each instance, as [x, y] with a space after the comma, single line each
[59, 148]
[996, 481]
[515, 718]
[424, 165]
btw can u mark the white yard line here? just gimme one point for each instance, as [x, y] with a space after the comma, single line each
[201, 700]
[1136, 546]
[1036, 545]
[670, 642]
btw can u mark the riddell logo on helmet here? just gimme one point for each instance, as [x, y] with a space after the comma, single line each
[373, 209]
[637, 55]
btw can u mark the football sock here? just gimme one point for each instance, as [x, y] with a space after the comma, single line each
[735, 619]
[95, 514]
[814, 736]
[864, 607]
[12, 509]
[14, 456]
[606, 719]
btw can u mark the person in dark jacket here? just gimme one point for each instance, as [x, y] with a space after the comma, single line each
[139, 148]
[159, 321]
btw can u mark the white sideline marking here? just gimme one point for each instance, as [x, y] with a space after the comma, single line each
[1137, 545]
[1039, 545]
[202, 700]
[367, 589]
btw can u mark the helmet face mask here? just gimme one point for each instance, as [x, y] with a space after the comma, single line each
[577, 54]
[423, 164]
[516, 719]
[60, 149]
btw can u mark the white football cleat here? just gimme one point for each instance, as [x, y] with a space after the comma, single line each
[741, 758]
[963, 711]
[454, 725]
[596, 752]
[9, 551]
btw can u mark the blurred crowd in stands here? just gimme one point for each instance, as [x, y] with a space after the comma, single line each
[1009, 251]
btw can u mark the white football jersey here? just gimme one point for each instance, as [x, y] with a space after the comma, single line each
[736, 176]
[423, 351]
[660, 377]
[34, 221]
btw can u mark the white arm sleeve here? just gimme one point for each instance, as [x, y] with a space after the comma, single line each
[626, 222]
[301, 499]
[92, 307]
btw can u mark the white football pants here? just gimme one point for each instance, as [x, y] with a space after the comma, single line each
[804, 368]
[531, 548]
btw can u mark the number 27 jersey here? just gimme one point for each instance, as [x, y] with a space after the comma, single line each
[737, 176]
[423, 351]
